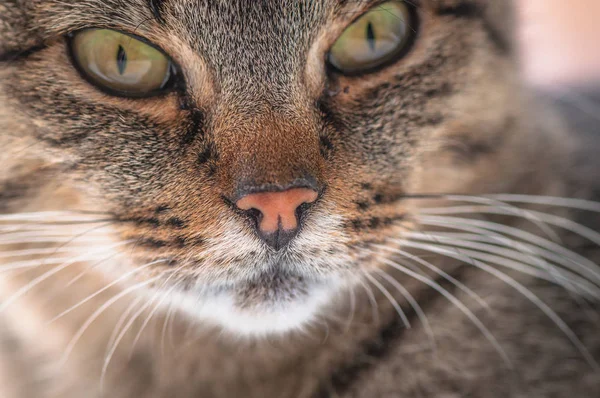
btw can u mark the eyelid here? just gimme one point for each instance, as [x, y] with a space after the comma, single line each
[144, 40]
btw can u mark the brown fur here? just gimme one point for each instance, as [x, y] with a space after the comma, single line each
[259, 108]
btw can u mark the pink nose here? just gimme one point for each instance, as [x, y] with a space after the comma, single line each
[277, 213]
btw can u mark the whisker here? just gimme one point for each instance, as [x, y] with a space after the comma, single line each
[46, 234]
[562, 222]
[88, 269]
[26, 288]
[6, 229]
[523, 258]
[537, 254]
[440, 272]
[124, 330]
[18, 265]
[573, 284]
[413, 303]
[105, 288]
[573, 203]
[520, 288]
[373, 301]
[456, 302]
[50, 240]
[32, 252]
[44, 216]
[350, 317]
[69, 348]
[391, 299]
[121, 321]
[509, 209]
[557, 201]
[485, 227]
[164, 328]
[154, 310]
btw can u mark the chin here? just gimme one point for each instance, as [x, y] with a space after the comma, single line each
[270, 305]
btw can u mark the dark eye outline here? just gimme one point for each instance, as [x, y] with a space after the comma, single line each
[171, 83]
[414, 30]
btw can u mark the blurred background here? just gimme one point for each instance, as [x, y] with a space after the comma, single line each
[560, 42]
[560, 56]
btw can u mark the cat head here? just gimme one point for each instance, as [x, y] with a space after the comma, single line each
[262, 149]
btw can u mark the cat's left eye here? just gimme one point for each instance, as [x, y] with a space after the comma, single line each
[377, 37]
[119, 63]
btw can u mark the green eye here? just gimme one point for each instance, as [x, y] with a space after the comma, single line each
[377, 37]
[120, 63]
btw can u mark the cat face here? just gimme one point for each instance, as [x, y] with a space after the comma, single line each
[271, 156]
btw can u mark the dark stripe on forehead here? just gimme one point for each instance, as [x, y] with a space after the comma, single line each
[156, 6]
[465, 9]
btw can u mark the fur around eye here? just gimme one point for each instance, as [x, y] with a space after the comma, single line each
[120, 64]
[379, 36]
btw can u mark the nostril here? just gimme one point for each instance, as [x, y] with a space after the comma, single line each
[302, 209]
[255, 215]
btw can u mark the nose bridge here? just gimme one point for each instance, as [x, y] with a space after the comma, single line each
[264, 149]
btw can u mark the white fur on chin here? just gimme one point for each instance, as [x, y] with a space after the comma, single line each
[264, 320]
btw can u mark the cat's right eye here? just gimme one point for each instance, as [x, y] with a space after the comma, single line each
[119, 63]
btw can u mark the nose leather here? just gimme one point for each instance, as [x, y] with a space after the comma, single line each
[277, 220]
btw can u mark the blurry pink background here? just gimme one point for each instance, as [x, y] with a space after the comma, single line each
[560, 41]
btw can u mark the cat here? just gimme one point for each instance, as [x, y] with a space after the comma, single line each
[288, 198]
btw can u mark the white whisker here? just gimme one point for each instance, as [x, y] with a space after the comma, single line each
[535, 253]
[373, 301]
[456, 302]
[67, 239]
[18, 265]
[165, 295]
[46, 234]
[46, 216]
[390, 298]
[509, 209]
[485, 227]
[527, 263]
[562, 222]
[69, 348]
[121, 321]
[517, 286]
[573, 203]
[165, 326]
[352, 310]
[414, 304]
[26, 288]
[124, 330]
[105, 288]
[33, 252]
[440, 272]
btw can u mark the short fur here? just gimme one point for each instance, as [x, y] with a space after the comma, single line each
[259, 108]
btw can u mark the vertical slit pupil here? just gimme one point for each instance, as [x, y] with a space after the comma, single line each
[371, 36]
[121, 59]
